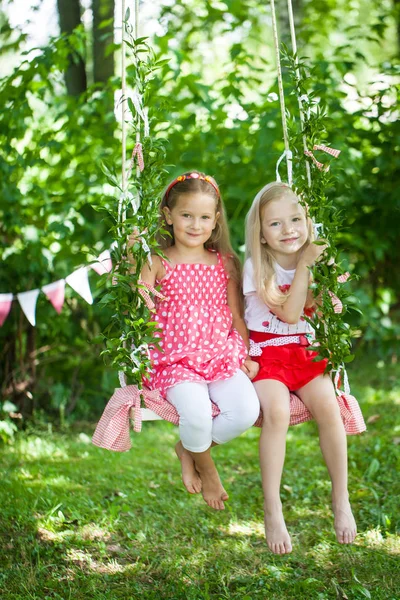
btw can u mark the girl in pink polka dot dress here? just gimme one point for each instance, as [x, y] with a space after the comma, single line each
[202, 356]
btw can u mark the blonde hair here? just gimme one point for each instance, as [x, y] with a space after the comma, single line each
[219, 241]
[261, 256]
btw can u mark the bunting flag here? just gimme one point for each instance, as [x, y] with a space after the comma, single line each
[5, 306]
[55, 292]
[103, 264]
[79, 282]
[28, 301]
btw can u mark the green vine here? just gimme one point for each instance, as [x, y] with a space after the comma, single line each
[134, 214]
[333, 334]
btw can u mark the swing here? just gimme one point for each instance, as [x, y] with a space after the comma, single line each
[112, 431]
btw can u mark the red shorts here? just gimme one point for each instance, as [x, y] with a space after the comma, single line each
[291, 364]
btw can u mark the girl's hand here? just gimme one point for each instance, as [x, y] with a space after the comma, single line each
[312, 253]
[250, 367]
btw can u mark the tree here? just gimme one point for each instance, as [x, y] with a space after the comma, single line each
[103, 36]
[69, 12]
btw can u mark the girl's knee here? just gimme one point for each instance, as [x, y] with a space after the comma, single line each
[246, 411]
[326, 411]
[276, 415]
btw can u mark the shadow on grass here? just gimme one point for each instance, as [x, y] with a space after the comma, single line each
[79, 522]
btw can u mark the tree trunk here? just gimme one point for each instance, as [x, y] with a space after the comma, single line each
[397, 19]
[103, 64]
[69, 13]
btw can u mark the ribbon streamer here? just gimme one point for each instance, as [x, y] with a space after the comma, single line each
[112, 431]
[316, 162]
[145, 295]
[332, 151]
[138, 152]
[139, 236]
[327, 150]
[343, 278]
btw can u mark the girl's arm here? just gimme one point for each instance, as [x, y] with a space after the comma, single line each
[154, 273]
[300, 295]
[149, 274]
[235, 303]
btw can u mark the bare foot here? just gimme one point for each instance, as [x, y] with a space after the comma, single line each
[344, 523]
[213, 491]
[190, 477]
[278, 538]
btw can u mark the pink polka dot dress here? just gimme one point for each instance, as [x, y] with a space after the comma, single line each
[197, 340]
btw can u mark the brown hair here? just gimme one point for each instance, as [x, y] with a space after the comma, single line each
[219, 239]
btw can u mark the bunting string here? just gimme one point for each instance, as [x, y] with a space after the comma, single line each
[55, 292]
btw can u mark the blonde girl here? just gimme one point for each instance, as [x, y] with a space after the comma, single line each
[277, 293]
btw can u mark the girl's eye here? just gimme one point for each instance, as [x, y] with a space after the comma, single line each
[186, 215]
[206, 217]
[274, 224]
[296, 219]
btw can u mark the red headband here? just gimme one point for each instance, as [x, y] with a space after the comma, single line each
[193, 175]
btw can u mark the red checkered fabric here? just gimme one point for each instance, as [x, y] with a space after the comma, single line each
[112, 431]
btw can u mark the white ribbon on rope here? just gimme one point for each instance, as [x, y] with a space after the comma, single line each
[289, 156]
[346, 384]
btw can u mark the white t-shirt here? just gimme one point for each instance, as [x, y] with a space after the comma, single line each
[257, 315]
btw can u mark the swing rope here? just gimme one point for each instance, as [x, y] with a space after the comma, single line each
[287, 152]
[121, 208]
[307, 152]
[299, 98]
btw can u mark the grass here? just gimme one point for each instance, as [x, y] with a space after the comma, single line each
[78, 522]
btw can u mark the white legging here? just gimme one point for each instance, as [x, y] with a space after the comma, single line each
[236, 399]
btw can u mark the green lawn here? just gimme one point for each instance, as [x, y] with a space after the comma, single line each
[80, 522]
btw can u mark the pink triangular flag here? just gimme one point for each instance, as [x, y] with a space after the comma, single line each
[79, 282]
[27, 301]
[55, 292]
[103, 264]
[5, 305]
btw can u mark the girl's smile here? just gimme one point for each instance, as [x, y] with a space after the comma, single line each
[193, 219]
[284, 229]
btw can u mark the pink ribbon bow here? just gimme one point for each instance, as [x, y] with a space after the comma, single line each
[112, 431]
[327, 150]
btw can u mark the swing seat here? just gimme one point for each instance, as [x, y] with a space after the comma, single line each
[112, 431]
[147, 415]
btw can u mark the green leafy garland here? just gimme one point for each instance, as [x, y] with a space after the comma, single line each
[333, 334]
[135, 215]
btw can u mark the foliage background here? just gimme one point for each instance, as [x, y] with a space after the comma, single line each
[78, 521]
[216, 108]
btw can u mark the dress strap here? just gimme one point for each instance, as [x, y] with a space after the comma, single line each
[166, 264]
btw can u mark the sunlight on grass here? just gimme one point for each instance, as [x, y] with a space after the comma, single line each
[374, 538]
[34, 448]
[58, 481]
[122, 525]
[244, 528]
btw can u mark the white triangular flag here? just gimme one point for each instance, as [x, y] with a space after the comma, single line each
[27, 301]
[79, 282]
[103, 264]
